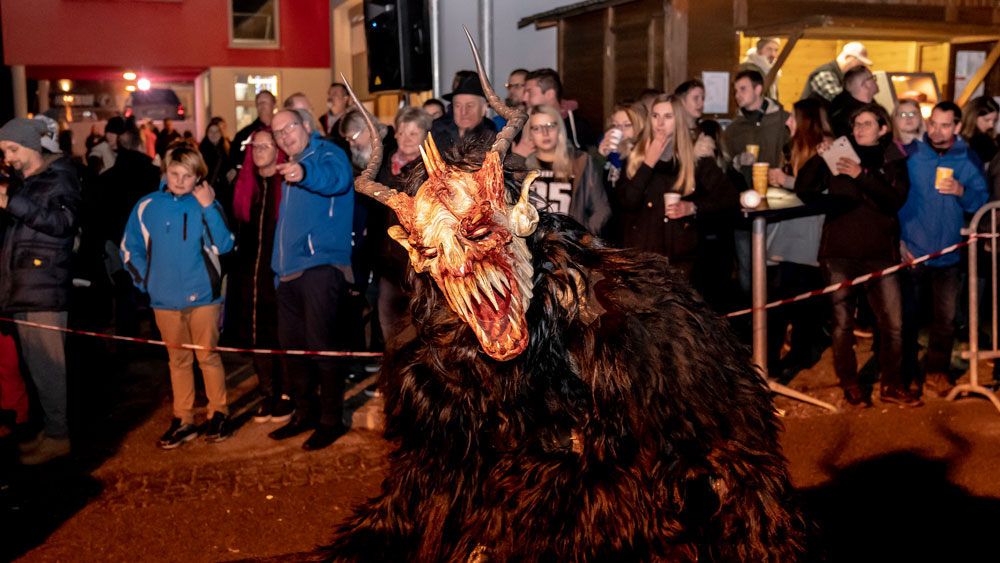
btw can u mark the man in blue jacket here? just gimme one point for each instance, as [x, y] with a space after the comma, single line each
[932, 219]
[312, 262]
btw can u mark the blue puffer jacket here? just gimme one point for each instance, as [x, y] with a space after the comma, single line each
[171, 249]
[929, 220]
[316, 215]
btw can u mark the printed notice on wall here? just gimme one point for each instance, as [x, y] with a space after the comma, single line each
[716, 92]
[966, 65]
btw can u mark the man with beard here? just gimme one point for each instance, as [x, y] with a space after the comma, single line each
[931, 219]
[311, 259]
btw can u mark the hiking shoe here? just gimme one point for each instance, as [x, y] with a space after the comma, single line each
[283, 409]
[939, 383]
[32, 444]
[264, 409]
[857, 398]
[218, 428]
[178, 433]
[47, 450]
[899, 396]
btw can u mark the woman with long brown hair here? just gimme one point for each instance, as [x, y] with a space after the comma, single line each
[979, 121]
[668, 181]
[793, 246]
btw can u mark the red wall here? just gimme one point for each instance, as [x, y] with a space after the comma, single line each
[140, 34]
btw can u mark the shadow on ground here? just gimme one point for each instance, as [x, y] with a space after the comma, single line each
[902, 507]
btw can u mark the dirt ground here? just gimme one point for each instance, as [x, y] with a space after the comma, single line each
[883, 484]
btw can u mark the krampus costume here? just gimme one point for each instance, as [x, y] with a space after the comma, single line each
[558, 400]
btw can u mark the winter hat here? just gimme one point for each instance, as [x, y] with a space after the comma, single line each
[25, 132]
[115, 125]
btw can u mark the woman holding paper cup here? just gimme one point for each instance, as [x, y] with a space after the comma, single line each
[860, 237]
[669, 183]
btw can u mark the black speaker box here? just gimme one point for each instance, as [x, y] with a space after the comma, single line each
[399, 45]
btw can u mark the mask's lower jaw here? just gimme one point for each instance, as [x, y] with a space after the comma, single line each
[490, 302]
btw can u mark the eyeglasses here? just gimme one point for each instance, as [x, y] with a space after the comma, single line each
[546, 127]
[285, 131]
[907, 114]
[865, 124]
[262, 146]
[513, 85]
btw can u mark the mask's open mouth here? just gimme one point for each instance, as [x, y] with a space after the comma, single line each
[488, 301]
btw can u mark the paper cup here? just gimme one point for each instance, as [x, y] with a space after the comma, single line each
[671, 197]
[614, 138]
[750, 199]
[754, 150]
[760, 177]
[942, 173]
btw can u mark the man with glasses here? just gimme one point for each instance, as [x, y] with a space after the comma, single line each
[515, 95]
[312, 261]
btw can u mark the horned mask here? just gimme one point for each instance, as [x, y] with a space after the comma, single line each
[460, 229]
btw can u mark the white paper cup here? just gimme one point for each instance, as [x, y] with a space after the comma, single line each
[614, 138]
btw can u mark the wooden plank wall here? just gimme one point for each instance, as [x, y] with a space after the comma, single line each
[906, 56]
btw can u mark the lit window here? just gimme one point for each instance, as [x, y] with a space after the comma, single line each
[253, 23]
[246, 88]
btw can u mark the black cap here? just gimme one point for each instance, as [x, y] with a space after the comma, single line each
[115, 125]
[468, 85]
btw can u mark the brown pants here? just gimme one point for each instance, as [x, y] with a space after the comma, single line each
[194, 325]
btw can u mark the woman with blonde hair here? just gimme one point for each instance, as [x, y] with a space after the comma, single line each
[569, 182]
[668, 184]
[907, 125]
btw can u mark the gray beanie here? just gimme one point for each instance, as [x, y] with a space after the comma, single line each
[25, 132]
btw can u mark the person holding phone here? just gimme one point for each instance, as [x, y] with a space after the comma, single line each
[186, 226]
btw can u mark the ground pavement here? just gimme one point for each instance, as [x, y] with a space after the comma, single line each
[883, 484]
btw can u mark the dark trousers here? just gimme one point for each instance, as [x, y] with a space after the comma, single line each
[307, 315]
[943, 284]
[785, 280]
[885, 297]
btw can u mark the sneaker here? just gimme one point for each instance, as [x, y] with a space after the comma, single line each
[373, 392]
[178, 433]
[47, 450]
[218, 428]
[32, 444]
[939, 383]
[264, 408]
[899, 396]
[283, 409]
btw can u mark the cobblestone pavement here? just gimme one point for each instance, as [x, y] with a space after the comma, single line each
[921, 481]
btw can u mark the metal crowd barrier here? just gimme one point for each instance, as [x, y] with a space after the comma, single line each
[974, 354]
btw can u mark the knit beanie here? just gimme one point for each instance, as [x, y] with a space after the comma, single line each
[25, 132]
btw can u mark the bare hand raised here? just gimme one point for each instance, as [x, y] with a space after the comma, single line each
[204, 193]
[291, 171]
[654, 148]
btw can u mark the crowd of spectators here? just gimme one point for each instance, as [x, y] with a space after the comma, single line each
[312, 267]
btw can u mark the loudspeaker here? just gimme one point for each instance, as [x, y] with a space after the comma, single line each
[399, 45]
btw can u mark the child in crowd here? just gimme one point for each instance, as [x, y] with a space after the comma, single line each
[171, 249]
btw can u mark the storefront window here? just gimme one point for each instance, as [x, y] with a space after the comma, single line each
[246, 89]
[253, 23]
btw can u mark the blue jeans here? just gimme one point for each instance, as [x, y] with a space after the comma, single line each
[44, 353]
[885, 297]
[944, 284]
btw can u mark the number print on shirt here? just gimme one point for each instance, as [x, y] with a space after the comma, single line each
[555, 195]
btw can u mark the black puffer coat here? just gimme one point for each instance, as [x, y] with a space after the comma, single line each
[39, 226]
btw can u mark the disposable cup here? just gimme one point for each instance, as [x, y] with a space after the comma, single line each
[760, 177]
[754, 150]
[942, 173]
[614, 138]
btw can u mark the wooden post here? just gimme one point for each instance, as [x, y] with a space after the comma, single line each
[609, 61]
[675, 44]
[977, 79]
[772, 74]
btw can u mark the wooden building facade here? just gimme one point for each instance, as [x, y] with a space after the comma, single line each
[610, 50]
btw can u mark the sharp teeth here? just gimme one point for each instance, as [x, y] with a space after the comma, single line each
[464, 291]
[498, 281]
[483, 281]
[471, 289]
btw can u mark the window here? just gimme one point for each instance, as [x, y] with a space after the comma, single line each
[253, 23]
[246, 89]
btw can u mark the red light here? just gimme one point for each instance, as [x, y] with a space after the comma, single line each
[128, 112]
[180, 110]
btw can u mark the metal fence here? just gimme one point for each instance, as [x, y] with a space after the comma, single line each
[987, 231]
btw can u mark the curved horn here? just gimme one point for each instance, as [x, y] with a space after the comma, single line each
[365, 183]
[515, 117]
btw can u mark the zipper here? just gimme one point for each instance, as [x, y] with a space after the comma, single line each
[256, 266]
[185, 233]
[281, 233]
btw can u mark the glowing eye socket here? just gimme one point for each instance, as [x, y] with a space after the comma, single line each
[479, 233]
[429, 252]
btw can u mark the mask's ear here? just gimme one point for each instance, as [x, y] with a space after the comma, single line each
[524, 216]
[399, 234]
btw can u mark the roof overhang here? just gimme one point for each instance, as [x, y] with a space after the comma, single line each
[839, 27]
[111, 74]
[551, 17]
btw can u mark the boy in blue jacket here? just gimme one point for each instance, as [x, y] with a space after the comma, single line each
[171, 248]
[931, 219]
